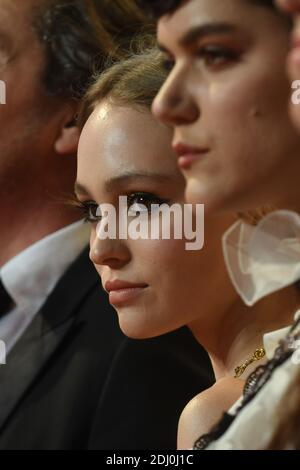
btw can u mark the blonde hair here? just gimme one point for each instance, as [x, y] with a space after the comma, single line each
[133, 81]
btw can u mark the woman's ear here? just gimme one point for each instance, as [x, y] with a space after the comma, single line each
[68, 138]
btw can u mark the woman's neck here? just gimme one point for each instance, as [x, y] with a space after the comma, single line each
[232, 336]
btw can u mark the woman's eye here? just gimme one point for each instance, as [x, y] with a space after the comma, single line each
[91, 211]
[142, 202]
[217, 56]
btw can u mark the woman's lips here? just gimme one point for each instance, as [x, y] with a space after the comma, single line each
[124, 296]
[188, 155]
[294, 53]
[121, 292]
[186, 161]
[295, 42]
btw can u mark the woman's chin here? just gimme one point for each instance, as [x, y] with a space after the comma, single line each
[215, 201]
[136, 333]
[133, 326]
[196, 193]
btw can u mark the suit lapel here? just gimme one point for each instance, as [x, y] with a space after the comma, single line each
[25, 362]
[46, 332]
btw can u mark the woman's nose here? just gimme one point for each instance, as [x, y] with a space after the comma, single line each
[174, 104]
[110, 252]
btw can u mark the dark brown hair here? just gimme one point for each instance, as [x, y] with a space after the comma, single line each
[78, 35]
[158, 8]
[70, 43]
[117, 23]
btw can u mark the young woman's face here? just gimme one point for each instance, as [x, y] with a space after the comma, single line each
[226, 97]
[126, 152]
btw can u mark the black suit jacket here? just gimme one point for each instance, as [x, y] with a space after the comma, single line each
[74, 381]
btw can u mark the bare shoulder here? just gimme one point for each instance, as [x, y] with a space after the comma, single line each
[205, 409]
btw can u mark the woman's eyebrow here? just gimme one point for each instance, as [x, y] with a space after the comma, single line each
[204, 30]
[116, 182]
